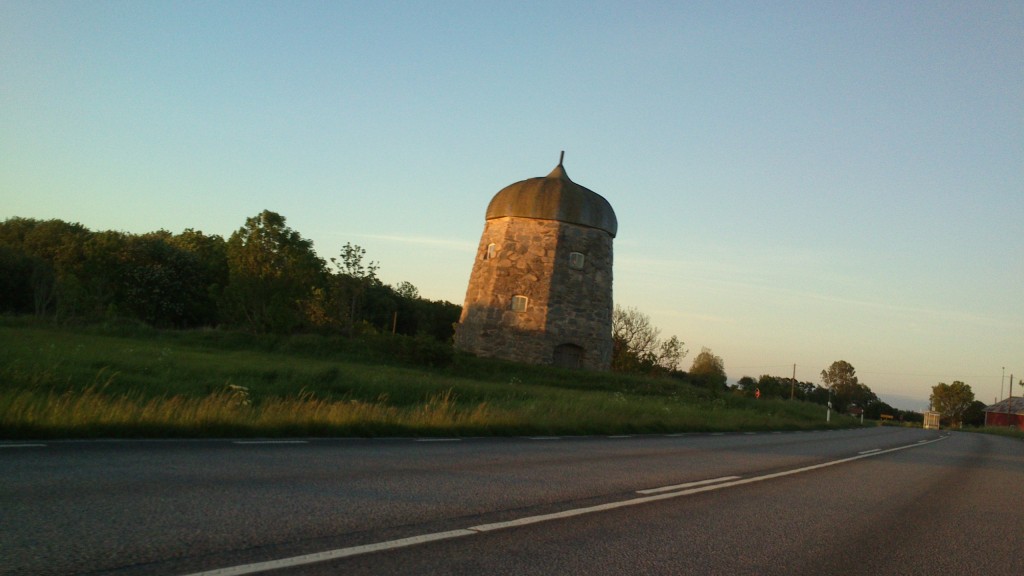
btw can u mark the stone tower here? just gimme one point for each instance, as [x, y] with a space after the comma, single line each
[541, 287]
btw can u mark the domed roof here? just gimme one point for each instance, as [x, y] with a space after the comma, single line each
[554, 197]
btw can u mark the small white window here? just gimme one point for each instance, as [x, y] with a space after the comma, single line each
[519, 303]
[492, 249]
[576, 260]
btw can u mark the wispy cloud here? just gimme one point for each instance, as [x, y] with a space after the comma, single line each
[739, 277]
[945, 314]
[447, 243]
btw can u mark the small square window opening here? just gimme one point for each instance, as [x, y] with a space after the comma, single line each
[576, 260]
[519, 303]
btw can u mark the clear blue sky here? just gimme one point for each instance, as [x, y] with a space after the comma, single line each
[794, 182]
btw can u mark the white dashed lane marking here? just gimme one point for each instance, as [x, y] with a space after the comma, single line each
[252, 442]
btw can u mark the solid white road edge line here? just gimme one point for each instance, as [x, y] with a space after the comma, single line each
[333, 554]
[414, 540]
[687, 485]
[22, 445]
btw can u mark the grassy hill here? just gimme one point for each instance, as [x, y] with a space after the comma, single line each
[133, 381]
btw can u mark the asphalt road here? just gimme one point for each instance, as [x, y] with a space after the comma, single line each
[870, 501]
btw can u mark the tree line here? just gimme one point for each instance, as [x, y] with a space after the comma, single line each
[267, 279]
[264, 278]
[840, 387]
[639, 348]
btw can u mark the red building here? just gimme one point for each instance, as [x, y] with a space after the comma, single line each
[1008, 412]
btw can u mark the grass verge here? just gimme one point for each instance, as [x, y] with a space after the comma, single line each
[130, 381]
[999, 431]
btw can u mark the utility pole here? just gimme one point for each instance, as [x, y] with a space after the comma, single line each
[1002, 381]
[1009, 404]
[792, 384]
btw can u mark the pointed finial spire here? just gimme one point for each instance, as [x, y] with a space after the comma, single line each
[559, 171]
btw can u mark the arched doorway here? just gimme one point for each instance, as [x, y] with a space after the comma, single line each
[568, 356]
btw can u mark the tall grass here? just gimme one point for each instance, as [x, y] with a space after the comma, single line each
[91, 413]
[130, 381]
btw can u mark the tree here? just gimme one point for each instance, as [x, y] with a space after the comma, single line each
[353, 282]
[670, 353]
[56, 250]
[774, 386]
[351, 263]
[709, 369]
[841, 374]
[634, 339]
[636, 346]
[782, 387]
[160, 283]
[210, 252]
[89, 287]
[747, 385]
[841, 378]
[975, 414]
[952, 400]
[273, 274]
[407, 290]
[420, 317]
[876, 409]
[15, 280]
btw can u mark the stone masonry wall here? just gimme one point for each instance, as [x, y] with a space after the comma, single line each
[565, 306]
